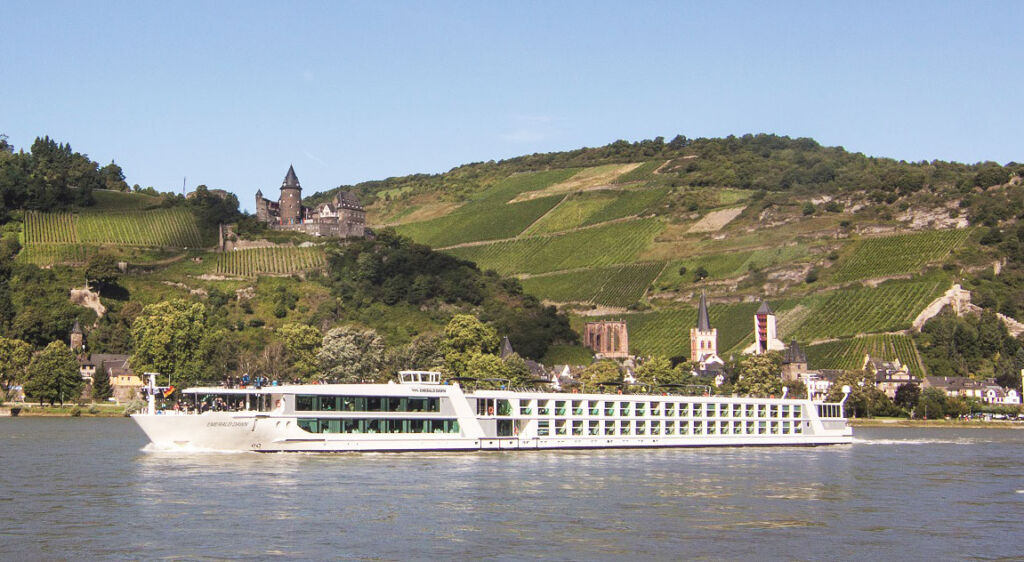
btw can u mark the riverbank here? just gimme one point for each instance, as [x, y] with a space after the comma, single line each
[86, 411]
[902, 422]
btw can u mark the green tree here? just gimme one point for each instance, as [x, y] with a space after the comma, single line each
[518, 372]
[53, 375]
[907, 396]
[15, 356]
[101, 270]
[931, 404]
[466, 336]
[101, 389]
[169, 338]
[303, 344]
[797, 389]
[656, 371]
[488, 369]
[605, 371]
[700, 274]
[865, 399]
[350, 354]
[760, 375]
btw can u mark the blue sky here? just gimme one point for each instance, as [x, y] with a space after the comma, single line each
[230, 93]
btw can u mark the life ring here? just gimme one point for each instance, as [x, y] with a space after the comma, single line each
[490, 410]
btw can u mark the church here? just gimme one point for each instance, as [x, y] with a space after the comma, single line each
[341, 217]
[704, 345]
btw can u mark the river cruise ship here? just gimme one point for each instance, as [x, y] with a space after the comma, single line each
[422, 414]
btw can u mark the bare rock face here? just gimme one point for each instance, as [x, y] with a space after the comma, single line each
[88, 299]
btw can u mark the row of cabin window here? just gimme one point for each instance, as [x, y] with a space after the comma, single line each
[316, 403]
[335, 425]
[669, 410]
[670, 428]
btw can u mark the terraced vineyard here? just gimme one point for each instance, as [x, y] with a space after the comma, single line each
[724, 266]
[162, 227]
[50, 254]
[849, 353]
[893, 255]
[616, 243]
[889, 308]
[620, 285]
[490, 217]
[49, 228]
[272, 261]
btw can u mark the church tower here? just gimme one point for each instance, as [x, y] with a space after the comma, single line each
[703, 338]
[77, 337]
[291, 198]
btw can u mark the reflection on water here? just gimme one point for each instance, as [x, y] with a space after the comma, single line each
[86, 488]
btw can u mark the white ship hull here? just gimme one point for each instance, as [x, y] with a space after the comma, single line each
[354, 418]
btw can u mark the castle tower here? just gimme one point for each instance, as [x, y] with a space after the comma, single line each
[291, 198]
[765, 333]
[794, 362]
[77, 337]
[703, 338]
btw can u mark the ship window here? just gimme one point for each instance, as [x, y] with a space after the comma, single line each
[698, 428]
[773, 411]
[750, 410]
[684, 428]
[785, 411]
[750, 428]
[712, 410]
[309, 425]
[785, 427]
[609, 408]
[797, 411]
[640, 408]
[593, 427]
[656, 428]
[762, 410]
[303, 402]
[577, 427]
[609, 428]
[417, 404]
[371, 426]
[670, 428]
[626, 428]
[737, 428]
[396, 404]
[374, 403]
[762, 428]
[543, 428]
[350, 426]
[623, 408]
[504, 428]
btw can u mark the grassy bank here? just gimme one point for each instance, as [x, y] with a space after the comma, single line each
[901, 422]
[86, 411]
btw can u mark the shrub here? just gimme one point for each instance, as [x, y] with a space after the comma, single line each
[76, 412]
[94, 410]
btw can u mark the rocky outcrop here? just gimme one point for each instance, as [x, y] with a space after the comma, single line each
[959, 299]
[88, 299]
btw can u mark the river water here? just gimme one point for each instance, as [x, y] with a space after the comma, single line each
[85, 489]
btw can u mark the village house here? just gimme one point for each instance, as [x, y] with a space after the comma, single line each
[986, 391]
[124, 384]
[889, 375]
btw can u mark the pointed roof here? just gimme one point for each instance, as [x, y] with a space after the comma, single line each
[291, 180]
[794, 354]
[703, 319]
[765, 309]
[76, 329]
[259, 194]
[506, 348]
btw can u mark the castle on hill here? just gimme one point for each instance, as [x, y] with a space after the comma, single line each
[341, 217]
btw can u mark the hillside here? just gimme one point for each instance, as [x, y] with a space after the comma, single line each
[847, 249]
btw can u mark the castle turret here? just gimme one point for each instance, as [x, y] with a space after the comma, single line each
[291, 198]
